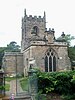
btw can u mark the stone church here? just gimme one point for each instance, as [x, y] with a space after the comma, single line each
[39, 48]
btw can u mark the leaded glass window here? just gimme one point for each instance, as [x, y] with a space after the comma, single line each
[50, 61]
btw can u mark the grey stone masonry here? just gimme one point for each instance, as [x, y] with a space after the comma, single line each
[13, 62]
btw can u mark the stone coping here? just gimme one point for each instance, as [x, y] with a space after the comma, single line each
[13, 53]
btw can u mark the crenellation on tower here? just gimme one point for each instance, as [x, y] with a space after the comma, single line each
[34, 18]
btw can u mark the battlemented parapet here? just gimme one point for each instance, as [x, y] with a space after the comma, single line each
[34, 18]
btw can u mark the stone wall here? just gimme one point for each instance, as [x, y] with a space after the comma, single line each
[37, 53]
[13, 62]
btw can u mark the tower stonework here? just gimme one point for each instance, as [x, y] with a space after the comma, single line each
[32, 26]
[40, 48]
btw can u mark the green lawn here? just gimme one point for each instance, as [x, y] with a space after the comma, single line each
[24, 83]
[8, 79]
[7, 87]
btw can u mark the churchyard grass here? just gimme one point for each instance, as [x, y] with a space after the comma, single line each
[24, 83]
[7, 87]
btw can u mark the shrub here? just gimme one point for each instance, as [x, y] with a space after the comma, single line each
[68, 97]
[59, 82]
[73, 84]
[62, 83]
[45, 83]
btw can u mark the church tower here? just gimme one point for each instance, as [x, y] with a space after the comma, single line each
[32, 27]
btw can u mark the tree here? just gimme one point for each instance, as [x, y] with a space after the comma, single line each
[71, 52]
[2, 49]
[66, 37]
[12, 46]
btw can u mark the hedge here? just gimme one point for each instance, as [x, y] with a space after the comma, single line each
[56, 82]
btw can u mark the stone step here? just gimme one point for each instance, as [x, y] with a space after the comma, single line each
[23, 93]
[23, 98]
[17, 98]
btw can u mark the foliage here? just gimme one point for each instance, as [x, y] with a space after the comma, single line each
[2, 49]
[45, 83]
[73, 83]
[57, 82]
[66, 37]
[8, 79]
[71, 52]
[2, 87]
[68, 97]
[12, 46]
[40, 96]
[62, 83]
[7, 87]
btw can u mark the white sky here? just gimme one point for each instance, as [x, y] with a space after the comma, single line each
[60, 15]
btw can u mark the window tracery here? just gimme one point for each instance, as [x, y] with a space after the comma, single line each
[50, 61]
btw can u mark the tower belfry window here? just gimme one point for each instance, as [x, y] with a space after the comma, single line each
[35, 30]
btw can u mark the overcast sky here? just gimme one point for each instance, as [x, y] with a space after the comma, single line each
[60, 15]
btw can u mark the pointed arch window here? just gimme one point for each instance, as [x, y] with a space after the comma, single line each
[35, 30]
[46, 64]
[50, 61]
[54, 63]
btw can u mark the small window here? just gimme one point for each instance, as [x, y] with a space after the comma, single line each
[35, 30]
